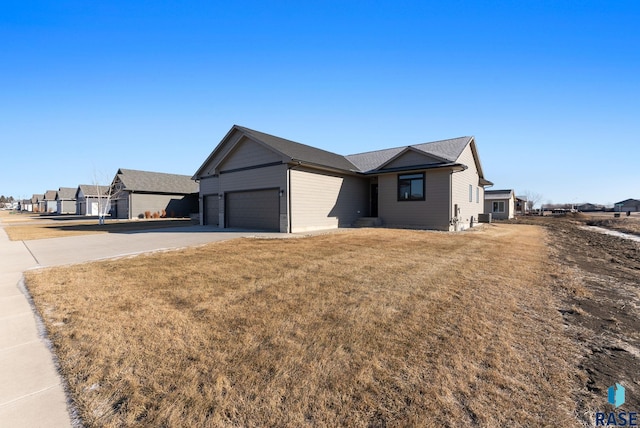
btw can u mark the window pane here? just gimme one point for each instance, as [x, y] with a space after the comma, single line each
[416, 189]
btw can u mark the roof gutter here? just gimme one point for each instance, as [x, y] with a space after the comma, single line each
[456, 167]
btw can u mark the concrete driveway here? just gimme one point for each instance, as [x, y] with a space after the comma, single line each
[31, 390]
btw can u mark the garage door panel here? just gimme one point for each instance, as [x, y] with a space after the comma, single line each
[211, 205]
[256, 209]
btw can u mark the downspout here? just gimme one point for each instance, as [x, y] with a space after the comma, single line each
[289, 198]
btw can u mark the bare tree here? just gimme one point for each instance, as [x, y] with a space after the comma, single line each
[532, 198]
[105, 194]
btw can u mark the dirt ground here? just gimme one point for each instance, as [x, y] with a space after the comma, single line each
[605, 321]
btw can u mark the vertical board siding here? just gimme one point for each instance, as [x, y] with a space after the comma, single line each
[432, 213]
[460, 182]
[321, 201]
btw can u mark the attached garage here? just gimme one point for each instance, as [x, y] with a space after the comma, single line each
[253, 209]
[211, 206]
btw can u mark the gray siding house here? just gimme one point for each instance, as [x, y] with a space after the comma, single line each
[138, 192]
[259, 181]
[632, 205]
[50, 204]
[37, 203]
[500, 203]
[66, 200]
[90, 199]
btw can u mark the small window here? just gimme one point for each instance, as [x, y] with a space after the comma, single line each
[498, 207]
[470, 193]
[477, 195]
[411, 187]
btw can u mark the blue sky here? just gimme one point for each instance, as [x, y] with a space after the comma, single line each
[548, 88]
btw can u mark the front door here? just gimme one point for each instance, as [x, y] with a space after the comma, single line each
[374, 200]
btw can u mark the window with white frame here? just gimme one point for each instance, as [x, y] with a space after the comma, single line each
[470, 193]
[477, 195]
[498, 206]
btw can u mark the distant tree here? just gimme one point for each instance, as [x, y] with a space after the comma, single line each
[532, 198]
[3, 199]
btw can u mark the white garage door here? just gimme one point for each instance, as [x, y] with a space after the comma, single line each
[255, 209]
[211, 210]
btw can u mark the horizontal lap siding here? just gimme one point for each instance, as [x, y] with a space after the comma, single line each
[460, 189]
[432, 213]
[178, 205]
[321, 201]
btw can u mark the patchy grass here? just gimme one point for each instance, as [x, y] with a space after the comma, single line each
[623, 224]
[363, 328]
[43, 229]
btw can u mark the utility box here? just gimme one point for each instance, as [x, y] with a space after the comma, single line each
[484, 218]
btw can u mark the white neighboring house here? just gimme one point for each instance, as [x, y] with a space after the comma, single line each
[500, 204]
[90, 198]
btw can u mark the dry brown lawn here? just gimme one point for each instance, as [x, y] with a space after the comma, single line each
[34, 228]
[369, 327]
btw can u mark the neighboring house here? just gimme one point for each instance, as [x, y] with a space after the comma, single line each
[522, 206]
[26, 205]
[627, 205]
[500, 203]
[90, 199]
[258, 181]
[37, 203]
[66, 200]
[138, 193]
[50, 204]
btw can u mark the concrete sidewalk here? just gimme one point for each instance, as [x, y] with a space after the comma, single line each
[31, 391]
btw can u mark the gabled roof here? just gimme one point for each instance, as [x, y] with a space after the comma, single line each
[67, 193]
[498, 194]
[37, 197]
[156, 182]
[50, 195]
[445, 152]
[629, 202]
[89, 190]
[299, 152]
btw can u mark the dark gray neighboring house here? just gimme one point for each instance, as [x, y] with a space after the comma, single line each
[632, 205]
[66, 200]
[140, 193]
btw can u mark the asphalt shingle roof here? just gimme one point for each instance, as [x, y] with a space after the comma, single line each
[156, 182]
[448, 150]
[67, 193]
[497, 194]
[301, 152]
[50, 195]
[90, 189]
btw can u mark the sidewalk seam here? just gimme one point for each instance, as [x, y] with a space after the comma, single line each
[29, 250]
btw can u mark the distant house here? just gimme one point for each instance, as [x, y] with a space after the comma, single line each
[500, 203]
[522, 205]
[66, 200]
[26, 205]
[632, 205]
[90, 198]
[37, 203]
[50, 204]
[255, 180]
[139, 193]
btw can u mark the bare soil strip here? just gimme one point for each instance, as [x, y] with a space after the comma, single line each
[362, 328]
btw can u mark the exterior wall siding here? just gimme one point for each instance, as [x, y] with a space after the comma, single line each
[460, 182]
[322, 201]
[409, 159]
[509, 208]
[176, 205]
[248, 154]
[208, 169]
[432, 213]
[66, 207]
